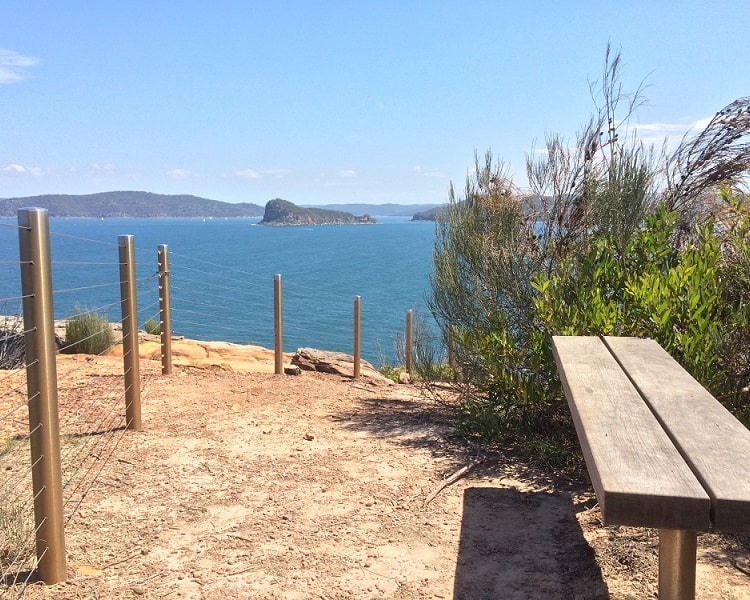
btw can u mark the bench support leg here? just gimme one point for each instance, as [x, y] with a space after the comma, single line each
[677, 556]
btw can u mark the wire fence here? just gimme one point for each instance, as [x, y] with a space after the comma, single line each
[209, 299]
[89, 410]
[214, 301]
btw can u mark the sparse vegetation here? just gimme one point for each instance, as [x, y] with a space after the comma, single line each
[152, 327]
[16, 535]
[12, 343]
[614, 238]
[87, 333]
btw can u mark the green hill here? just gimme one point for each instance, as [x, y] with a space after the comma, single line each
[428, 215]
[380, 210]
[129, 204]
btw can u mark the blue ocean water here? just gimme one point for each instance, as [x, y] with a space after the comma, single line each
[222, 277]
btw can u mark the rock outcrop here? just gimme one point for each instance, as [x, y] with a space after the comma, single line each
[282, 212]
[336, 363]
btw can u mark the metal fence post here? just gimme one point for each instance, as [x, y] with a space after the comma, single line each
[165, 321]
[130, 355]
[408, 341]
[41, 376]
[357, 336]
[277, 329]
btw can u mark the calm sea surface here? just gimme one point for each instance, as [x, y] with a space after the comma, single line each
[222, 272]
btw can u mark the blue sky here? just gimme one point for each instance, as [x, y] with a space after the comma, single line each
[331, 101]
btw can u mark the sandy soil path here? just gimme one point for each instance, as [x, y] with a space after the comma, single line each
[254, 485]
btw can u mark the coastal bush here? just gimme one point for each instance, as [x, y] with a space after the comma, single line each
[16, 534]
[735, 274]
[12, 343]
[87, 333]
[611, 239]
[152, 327]
[428, 360]
[428, 355]
[16, 520]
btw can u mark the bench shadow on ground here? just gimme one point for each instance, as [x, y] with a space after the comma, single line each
[513, 544]
[519, 545]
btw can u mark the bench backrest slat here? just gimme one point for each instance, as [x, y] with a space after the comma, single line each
[639, 476]
[711, 440]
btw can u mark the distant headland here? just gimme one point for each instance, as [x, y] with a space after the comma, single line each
[111, 205]
[148, 205]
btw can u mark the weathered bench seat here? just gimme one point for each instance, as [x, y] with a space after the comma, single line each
[660, 450]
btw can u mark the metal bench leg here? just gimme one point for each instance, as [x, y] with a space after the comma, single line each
[677, 556]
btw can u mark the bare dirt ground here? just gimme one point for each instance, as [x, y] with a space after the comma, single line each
[254, 485]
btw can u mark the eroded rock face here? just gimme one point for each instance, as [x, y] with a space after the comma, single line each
[337, 363]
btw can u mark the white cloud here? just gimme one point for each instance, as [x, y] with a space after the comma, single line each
[262, 174]
[105, 169]
[348, 174]
[20, 170]
[249, 174]
[656, 133]
[13, 66]
[427, 172]
[181, 174]
[650, 134]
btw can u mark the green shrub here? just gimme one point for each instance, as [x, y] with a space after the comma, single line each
[650, 289]
[16, 534]
[612, 238]
[152, 327]
[391, 372]
[87, 333]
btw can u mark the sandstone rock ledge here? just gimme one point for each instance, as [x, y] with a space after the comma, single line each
[337, 363]
[253, 359]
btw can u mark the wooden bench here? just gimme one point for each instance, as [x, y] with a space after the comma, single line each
[660, 450]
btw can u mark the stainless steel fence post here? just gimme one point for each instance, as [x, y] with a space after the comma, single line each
[130, 355]
[277, 329]
[357, 336]
[41, 376]
[165, 321]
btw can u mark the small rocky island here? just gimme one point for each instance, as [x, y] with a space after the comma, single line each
[282, 212]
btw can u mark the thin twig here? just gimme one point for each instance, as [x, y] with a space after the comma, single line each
[239, 537]
[240, 571]
[119, 562]
[452, 479]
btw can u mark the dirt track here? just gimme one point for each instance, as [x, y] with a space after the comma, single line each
[262, 486]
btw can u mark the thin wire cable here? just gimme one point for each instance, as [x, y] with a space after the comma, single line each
[15, 298]
[13, 225]
[80, 341]
[70, 236]
[84, 263]
[103, 463]
[96, 418]
[25, 403]
[144, 280]
[23, 475]
[208, 263]
[13, 373]
[184, 282]
[149, 306]
[86, 287]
